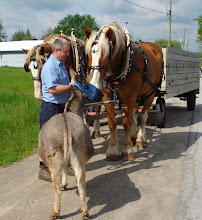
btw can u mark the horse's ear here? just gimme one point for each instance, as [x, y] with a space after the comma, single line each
[72, 74]
[87, 32]
[111, 36]
[26, 51]
[42, 51]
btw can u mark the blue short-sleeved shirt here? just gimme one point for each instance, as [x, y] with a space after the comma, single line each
[52, 74]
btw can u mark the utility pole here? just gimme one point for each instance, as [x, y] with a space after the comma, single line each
[184, 40]
[169, 36]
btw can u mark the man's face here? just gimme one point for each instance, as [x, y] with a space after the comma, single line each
[64, 53]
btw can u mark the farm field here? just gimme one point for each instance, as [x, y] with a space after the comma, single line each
[19, 110]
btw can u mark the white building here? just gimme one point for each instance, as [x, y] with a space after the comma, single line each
[11, 53]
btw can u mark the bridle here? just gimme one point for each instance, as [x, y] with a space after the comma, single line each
[96, 41]
[35, 65]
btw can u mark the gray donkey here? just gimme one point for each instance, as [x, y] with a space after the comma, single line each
[65, 141]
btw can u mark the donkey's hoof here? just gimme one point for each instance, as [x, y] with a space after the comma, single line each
[128, 156]
[95, 135]
[54, 215]
[113, 157]
[85, 215]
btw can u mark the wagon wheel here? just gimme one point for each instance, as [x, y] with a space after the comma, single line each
[160, 116]
[191, 100]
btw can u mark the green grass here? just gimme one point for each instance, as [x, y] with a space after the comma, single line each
[19, 120]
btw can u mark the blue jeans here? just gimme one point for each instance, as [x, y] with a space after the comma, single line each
[48, 110]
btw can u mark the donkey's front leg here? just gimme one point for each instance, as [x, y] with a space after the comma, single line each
[96, 124]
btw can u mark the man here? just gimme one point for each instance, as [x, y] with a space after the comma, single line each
[56, 90]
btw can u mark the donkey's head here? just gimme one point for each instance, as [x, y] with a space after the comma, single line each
[82, 92]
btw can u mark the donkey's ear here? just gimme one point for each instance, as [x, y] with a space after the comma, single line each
[25, 51]
[72, 73]
[111, 36]
[87, 32]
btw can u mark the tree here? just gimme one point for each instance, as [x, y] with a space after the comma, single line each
[199, 32]
[21, 35]
[164, 43]
[47, 33]
[77, 22]
[2, 33]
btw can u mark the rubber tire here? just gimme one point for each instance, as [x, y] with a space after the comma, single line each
[191, 100]
[160, 117]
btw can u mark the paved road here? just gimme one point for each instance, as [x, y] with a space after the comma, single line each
[164, 181]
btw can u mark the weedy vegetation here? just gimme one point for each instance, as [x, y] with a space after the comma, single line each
[19, 115]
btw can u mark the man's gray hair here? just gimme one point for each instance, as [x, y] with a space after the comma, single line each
[59, 43]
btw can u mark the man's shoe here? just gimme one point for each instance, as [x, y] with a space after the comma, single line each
[44, 173]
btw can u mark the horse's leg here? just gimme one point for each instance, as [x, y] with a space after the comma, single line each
[141, 141]
[112, 152]
[56, 164]
[134, 128]
[128, 153]
[96, 124]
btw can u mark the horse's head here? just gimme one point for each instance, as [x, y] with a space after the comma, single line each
[102, 48]
[36, 57]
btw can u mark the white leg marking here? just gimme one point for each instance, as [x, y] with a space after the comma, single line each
[134, 128]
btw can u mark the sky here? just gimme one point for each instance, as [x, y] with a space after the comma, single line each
[147, 19]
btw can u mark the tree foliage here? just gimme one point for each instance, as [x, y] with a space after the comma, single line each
[164, 43]
[199, 31]
[47, 33]
[22, 35]
[2, 33]
[77, 22]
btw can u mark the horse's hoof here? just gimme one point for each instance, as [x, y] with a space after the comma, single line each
[95, 135]
[128, 157]
[113, 157]
[141, 145]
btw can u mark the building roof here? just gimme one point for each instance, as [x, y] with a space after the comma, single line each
[19, 45]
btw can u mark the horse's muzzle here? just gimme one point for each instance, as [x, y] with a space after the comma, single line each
[26, 68]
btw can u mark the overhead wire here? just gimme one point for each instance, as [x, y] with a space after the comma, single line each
[155, 10]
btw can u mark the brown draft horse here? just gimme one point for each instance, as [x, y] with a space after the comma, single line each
[38, 55]
[131, 72]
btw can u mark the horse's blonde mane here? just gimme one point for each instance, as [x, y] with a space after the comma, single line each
[120, 42]
[49, 40]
